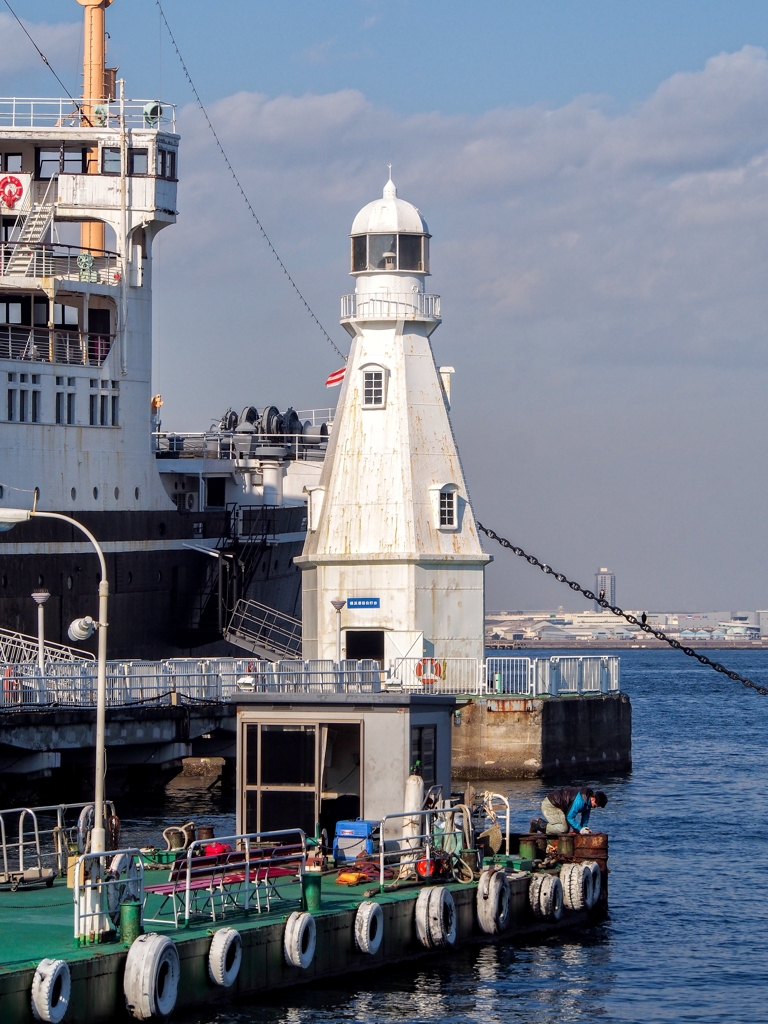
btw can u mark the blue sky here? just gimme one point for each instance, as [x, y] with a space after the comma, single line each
[595, 177]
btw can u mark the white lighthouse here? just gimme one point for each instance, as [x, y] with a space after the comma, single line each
[391, 531]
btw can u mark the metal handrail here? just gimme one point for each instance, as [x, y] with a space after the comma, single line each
[233, 446]
[91, 895]
[390, 305]
[62, 113]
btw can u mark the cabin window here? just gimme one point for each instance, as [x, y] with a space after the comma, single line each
[10, 312]
[73, 160]
[35, 406]
[65, 316]
[215, 492]
[23, 405]
[60, 406]
[48, 163]
[110, 160]
[94, 411]
[374, 387]
[166, 163]
[70, 409]
[138, 161]
[12, 163]
[11, 404]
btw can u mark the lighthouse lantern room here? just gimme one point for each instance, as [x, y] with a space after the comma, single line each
[391, 530]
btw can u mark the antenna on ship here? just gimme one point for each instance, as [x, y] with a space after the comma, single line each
[98, 86]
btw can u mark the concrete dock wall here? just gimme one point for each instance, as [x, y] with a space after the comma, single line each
[519, 738]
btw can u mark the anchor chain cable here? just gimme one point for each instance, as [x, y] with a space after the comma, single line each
[242, 192]
[615, 610]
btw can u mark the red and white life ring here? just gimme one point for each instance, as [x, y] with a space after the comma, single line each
[11, 190]
[429, 670]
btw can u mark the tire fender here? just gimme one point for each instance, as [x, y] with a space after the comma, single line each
[51, 988]
[551, 898]
[369, 927]
[577, 886]
[151, 980]
[597, 880]
[299, 939]
[534, 892]
[441, 912]
[493, 899]
[225, 957]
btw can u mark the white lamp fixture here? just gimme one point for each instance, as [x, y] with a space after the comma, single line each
[81, 629]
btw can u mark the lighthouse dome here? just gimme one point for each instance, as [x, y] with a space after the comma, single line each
[389, 214]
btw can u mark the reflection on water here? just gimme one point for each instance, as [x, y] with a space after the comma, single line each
[687, 939]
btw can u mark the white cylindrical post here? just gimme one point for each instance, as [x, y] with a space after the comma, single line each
[338, 605]
[40, 597]
[98, 836]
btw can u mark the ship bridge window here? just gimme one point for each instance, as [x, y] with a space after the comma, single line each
[390, 252]
[11, 163]
[166, 163]
[65, 316]
[73, 160]
[47, 163]
[110, 160]
[138, 161]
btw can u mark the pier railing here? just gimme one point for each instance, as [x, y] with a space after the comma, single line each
[508, 676]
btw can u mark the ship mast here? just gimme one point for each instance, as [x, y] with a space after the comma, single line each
[95, 90]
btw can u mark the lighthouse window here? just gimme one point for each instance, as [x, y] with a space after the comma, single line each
[373, 388]
[382, 252]
[359, 254]
[110, 160]
[410, 252]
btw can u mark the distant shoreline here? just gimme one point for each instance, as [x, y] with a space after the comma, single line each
[628, 645]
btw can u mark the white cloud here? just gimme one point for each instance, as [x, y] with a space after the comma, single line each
[59, 43]
[603, 280]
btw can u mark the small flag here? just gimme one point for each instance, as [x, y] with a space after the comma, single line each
[336, 377]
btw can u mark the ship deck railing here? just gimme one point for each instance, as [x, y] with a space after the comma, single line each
[68, 262]
[555, 676]
[217, 445]
[54, 345]
[62, 113]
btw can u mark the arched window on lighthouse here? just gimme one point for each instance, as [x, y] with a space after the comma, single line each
[374, 386]
[445, 506]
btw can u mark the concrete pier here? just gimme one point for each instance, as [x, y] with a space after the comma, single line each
[524, 737]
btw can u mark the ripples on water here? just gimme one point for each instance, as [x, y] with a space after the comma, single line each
[687, 938]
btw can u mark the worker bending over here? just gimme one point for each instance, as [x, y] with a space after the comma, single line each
[567, 810]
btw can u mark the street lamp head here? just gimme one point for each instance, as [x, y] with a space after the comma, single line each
[40, 596]
[81, 629]
[338, 605]
[9, 517]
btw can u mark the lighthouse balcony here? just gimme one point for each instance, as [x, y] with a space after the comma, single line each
[390, 306]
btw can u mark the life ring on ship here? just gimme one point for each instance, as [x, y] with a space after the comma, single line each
[493, 900]
[11, 190]
[300, 939]
[51, 987]
[369, 927]
[225, 957]
[429, 670]
[151, 979]
[436, 918]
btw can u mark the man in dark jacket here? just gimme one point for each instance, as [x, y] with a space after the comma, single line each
[567, 810]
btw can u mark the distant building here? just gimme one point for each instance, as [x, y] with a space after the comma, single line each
[605, 581]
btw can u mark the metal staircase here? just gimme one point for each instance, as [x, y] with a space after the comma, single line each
[266, 632]
[33, 231]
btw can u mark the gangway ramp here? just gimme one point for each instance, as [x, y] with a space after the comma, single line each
[265, 631]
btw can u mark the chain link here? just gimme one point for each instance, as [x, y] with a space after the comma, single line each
[702, 658]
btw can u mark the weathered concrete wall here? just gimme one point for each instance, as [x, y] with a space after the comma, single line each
[524, 738]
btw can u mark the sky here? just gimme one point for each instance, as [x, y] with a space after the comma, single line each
[595, 179]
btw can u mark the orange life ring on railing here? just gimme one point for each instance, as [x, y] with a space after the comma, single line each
[429, 670]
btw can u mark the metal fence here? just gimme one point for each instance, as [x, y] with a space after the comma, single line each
[390, 305]
[60, 112]
[439, 675]
[510, 676]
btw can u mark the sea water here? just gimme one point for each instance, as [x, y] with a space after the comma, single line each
[687, 936]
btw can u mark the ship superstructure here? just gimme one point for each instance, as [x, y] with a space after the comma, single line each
[81, 431]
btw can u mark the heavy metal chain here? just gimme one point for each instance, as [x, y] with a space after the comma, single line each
[644, 626]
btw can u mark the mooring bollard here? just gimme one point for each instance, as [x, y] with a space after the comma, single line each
[311, 882]
[130, 922]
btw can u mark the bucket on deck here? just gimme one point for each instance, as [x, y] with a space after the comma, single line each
[130, 921]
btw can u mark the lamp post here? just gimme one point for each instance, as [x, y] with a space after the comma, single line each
[40, 597]
[338, 605]
[10, 517]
